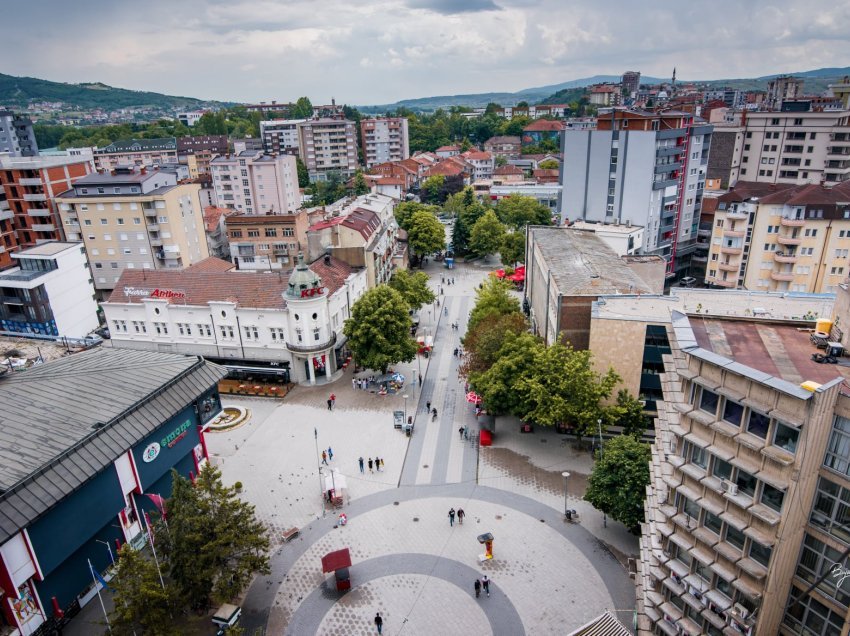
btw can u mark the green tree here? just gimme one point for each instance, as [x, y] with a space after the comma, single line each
[486, 235]
[617, 484]
[303, 173]
[431, 188]
[565, 388]
[405, 210]
[378, 331]
[481, 345]
[493, 298]
[627, 413]
[425, 234]
[522, 104]
[413, 286]
[497, 385]
[141, 605]
[360, 186]
[517, 211]
[492, 108]
[214, 543]
[501, 160]
[512, 249]
[326, 192]
[549, 164]
[302, 109]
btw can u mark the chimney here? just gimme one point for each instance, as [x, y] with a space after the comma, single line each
[144, 170]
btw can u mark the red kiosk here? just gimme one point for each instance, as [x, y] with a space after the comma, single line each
[338, 562]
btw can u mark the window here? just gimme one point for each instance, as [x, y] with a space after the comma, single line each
[104, 221]
[226, 331]
[691, 509]
[746, 483]
[772, 497]
[708, 401]
[699, 456]
[316, 335]
[811, 617]
[760, 553]
[113, 265]
[785, 437]
[251, 333]
[137, 221]
[277, 334]
[253, 233]
[758, 424]
[721, 469]
[204, 330]
[733, 413]
[838, 450]
[271, 232]
[816, 558]
[836, 270]
[735, 537]
[831, 510]
[119, 221]
[713, 522]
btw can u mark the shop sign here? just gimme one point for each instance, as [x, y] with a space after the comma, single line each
[313, 291]
[176, 294]
[151, 452]
[176, 435]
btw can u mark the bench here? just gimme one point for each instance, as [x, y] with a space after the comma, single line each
[290, 534]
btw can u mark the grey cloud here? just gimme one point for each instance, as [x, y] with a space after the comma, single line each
[449, 7]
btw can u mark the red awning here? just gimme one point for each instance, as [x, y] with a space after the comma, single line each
[334, 561]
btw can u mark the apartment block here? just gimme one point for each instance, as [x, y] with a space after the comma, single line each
[482, 163]
[280, 136]
[136, 152]
[781, 238]
[266, 241]
[746, 526]
[134, 218]
[328, 146]
[28, 212]
[384, 139]
[793, 148]
[16, 135]
[630, 81]
[197, 151]
[256, 183]
[504, 146]
[644, 168]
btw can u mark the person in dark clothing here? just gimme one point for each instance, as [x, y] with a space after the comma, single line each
[460, 515]
[370, 465]
[485, 583]
[428, 405]
[477, 588]
[451, 516]
[379, 622]
[360, 461]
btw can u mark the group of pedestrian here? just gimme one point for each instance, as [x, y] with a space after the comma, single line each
[360, 383]
[327, 455]
[331, 402]
[463, 431]
[482, 583]
[455, 326]
[374, 464]
[458, 352]
[460, 515]
[447, 281]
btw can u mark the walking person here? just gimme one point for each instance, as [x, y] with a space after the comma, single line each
[324, 458]
[451, 517]
[428, 405]
[360, 461]
[353, 383]
[477, 588]
[330, 404]
[485, 583]
[460, 431]
[333, 401]
[379, 622]
[330, 453]
[460, 515]
[378, 464]
[370, 465]
[382, 465]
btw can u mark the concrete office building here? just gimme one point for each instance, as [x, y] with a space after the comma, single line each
[256, 183]
[280, 136]
[134, 219]
[49, 292]
[384, 139]
[16, 135]
[328, 146]
[644, 168]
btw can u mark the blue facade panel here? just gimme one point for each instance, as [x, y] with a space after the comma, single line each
[171, 443]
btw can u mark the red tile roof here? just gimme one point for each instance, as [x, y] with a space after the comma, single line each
[446, 168]
[323, 225]
[476, 155]
[390, 181]
[447, 148]
[545, 173]
[363, 221]
[502, 171]
[212, 216]
[211, 264]
[504, 139]
[544, 125]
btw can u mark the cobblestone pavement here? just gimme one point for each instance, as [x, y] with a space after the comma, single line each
[549, 575]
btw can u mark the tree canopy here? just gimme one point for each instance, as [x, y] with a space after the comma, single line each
[141, 604]
[486, 235]
[326, 192]
[492, 299]
[617, 484]
[512, 249]
[497, 385]
[405, 210]
[517, 211]
[302, 109]
[627, 412]
[482, 345]
[378, 331]
[425, 234]
[413, 287]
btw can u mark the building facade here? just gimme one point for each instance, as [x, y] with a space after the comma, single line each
[112, 425]
[640, 167]
[482, 163]
[29, 215]
[266, 242]
[134, 219]
[287, 325]
[16, 135]
[50, 292]
[328, 146]
[280, 136]
[256, 183]
[136, 152]
[384, 139]
[504, 146]
[198, 151]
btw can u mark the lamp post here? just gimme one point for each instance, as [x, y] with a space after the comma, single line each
[405, 406]
[108, 547]
[599, 424]
[319, 464]
[566, 477]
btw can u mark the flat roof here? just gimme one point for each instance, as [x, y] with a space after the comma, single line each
[781, 350]
[51, 248]
[37, 163]
[620, 228]
[582, 264]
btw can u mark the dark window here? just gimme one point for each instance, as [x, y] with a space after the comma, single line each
[746, 483]
[758, 424]
[785, 437]
[708, 401]
[713, 522]
[735, 537]
[772, 497]
[722, 469]
[733, 413]
[760, 553]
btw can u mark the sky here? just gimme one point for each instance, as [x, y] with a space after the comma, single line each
[379, 51]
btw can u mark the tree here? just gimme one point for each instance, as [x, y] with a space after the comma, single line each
[494, 298]
[431, 188]
[564, 388]
[378, 331]
[303, 174]
[481, 345]
[549, 164]
[360, 186]
[497, 385]
[617, 484]
[302, 109]
[512, 249]
[405, 210]
[522, 104]
[517, 211]
[214, 543]
[627, 413]
[486, 235]
[141, 605]
[326, 192]
[425, 234]
[413, 287]
[501, 160]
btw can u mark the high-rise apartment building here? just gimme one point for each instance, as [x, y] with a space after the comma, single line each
[770, 237]
[792, 147]
[328, 146]
[16, 135]
[781, 89]
[256, 183]
[384, 139]
[642, 168]
[134, 218]
[136, 152]
[197, 151]
[280, 136]
[28, 212]
[630, 83]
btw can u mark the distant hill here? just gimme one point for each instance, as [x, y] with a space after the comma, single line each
[18, 92]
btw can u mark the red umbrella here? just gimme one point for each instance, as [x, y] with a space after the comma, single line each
[473, 398]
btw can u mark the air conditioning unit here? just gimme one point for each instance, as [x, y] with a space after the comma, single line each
[729, 487]
[741, 611]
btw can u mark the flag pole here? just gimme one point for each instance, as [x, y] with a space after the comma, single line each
[153, 549]
[99, 597]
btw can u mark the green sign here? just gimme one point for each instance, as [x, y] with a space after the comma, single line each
[176, 435]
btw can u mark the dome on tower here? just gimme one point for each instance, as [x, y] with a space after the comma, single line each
[303, 282]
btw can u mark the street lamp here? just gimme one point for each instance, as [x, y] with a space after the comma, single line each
[405, 406]
[566, 477]
[319, 464]
[599, 424]
[108, 547]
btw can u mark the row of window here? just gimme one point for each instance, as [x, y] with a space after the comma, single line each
[251, 332]
[269, 233]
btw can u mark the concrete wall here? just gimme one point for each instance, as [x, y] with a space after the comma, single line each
[606, 341]
[575, 320]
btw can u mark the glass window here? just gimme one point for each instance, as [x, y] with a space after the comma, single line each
[760, 553]
[734, 537]
[772, 497]
[758, 424]
[733, 413]
[691, 509]
[785, 437]
[746, 483]
[708, 401]
[713, 522]
[722, 469]
[811, 617]
[831, 510]
[704, 572]
[816, 558]
[724, 587]
[838, 451]
[699, 457]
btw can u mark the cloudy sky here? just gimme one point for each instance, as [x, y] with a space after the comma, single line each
[379, 51]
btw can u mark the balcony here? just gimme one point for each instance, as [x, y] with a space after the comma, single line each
[839, 151]
[720, 282]
[35, 197]
[728, 249]
[788, 240]
[733, 233]
[150, 211]
[312, 348]
[43, 227]
[156, 241]
[737, 215]
[789, 222]
[728, 267]
[780, 257]
[39, 212]
[5, 215]
[782, 276]
[29, 181]
[153, 227]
